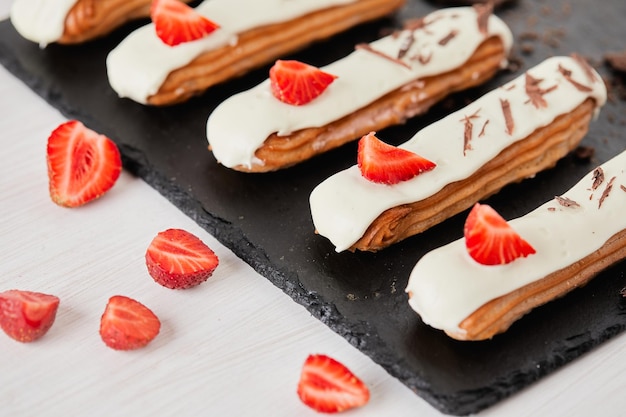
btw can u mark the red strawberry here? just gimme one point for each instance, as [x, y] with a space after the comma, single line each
[296, 83]
[329, 387]
[25, 315]
[175, 22]
[82, 164]
[490, 240]
[127, 324]
[387, 164]
[177, 259]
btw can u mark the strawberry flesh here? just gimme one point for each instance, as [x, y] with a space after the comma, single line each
[297, 83]
[176, 23]
[386, 164]
[177, 259]
[328, 386]
[82, 164]
[490, 240]
[127, 324]
[25, 315]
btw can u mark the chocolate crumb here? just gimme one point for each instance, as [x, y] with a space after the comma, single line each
[606, 192]
[482, 131]
[566, 202]
[484, 12]
[535, 93]
[617, 60]
[567, 74]
[508, 116]
[598, 178]
[527, 49]
[422, 59]
[584, 153]
[368, 48]
[444, 41]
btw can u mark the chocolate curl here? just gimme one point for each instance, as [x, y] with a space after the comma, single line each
[567, 74]
[535, 93]
[368, 48]
[606, 192]
[444, 41]
[566, 202]
[484, 11]
[508, 116]
[468, 131]
[588, 69]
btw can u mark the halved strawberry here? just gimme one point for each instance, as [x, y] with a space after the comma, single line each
[328, 386]
[177, 259]
[127, 324]
[297, 83]
[25, 315]
[82, 164]
[387, 164]
[175, 22]
[490, 240]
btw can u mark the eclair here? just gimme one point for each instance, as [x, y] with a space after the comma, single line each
[250, 33]
[378, 85]
[507, 135]
[73, 21]
[574, 236]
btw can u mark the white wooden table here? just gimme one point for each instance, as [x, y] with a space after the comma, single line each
[233, 346]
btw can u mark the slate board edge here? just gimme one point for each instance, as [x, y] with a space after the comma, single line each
[359, 335]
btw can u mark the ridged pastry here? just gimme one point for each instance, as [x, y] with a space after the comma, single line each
[575, 236]
[508, 135]
[147, 71]
[378, 85]
[74, 21]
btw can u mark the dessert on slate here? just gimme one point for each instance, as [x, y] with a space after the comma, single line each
[73, 21]
[380, 84]
[507, 135]
[146, 69]
[572, 237]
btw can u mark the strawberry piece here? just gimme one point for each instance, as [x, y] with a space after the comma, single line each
[297, 83]
[328, 386]
[25, 315]
[386, 164]
[176, 23]
[127, 324]
[177, 259]
[82, 164]
[490, 240]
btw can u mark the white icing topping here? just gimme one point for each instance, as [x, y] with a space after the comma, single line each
[344, 205]
[41, 21]
[363, 77]
[447, 285]
[139, 65]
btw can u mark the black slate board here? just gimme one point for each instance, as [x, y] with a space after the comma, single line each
[265, 220]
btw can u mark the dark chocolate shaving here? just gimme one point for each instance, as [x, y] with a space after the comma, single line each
[566, 202]
[484, 12]
[535, 93]
[508, 116]
[598, 178]
[482, 131]
[444, 41]
[468, 131]
[406, 45]
[567, 74]
[368, 48]
[588, 69]
[606, 192]
[422, 59]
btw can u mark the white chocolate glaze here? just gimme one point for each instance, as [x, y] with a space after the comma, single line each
[139, 65]
[447, 285]
[40, 21]
[240, 125]
[344, 205]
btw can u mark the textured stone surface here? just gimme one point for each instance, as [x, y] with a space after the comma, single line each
[265, 218]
